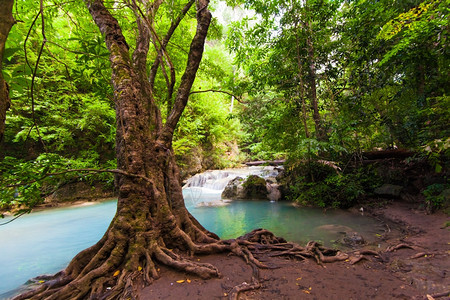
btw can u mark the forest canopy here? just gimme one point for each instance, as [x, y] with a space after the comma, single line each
[279, 79]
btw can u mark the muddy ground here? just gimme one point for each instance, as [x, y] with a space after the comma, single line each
[392, 275]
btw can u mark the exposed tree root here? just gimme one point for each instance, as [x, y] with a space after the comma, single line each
[362, 255]
[358, 258]
[420, 254]
[445, 294]
[399, 246]
[263, 241]
[116, 268]
[255, 284]
[441, 295]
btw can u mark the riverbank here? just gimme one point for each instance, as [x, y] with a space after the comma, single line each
[419, 267]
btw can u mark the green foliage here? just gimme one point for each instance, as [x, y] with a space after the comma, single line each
[435, 196]
[72, 114]
[319, 184]
[206, 128]
[25, 184]
[436, 152]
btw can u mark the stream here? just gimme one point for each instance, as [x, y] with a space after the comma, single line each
[43, 242]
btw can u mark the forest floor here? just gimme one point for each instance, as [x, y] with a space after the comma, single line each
[397, 275]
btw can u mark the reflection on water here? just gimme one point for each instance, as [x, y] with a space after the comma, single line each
[44, 242]
[294, 224]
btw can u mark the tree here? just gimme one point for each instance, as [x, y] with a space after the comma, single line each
[287, 50]
[6, 22]
[151, 218]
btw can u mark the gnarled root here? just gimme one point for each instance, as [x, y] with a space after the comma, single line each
[420, 254]
[115, 269]
[255, 284]
[358, 258]
[117, 266]
[262, 241]
[399, 246]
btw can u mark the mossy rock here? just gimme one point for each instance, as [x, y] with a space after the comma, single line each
[255, 187]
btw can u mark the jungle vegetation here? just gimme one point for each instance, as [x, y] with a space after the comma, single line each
[126, 92]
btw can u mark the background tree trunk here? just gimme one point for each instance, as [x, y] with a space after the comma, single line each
[6, 23]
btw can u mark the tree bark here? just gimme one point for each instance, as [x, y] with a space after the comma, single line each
[6, 23]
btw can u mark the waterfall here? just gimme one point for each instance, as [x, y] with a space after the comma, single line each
[206, 188]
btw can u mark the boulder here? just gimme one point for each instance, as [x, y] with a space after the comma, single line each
[352, 239]
[254, 187]
[274, 193]
[234, 189]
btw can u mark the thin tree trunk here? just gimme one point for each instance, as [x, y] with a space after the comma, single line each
[6, 23]
[301, 87]
[312, 82]
[312, 72]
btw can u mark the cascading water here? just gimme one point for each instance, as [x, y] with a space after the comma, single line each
[206, 188]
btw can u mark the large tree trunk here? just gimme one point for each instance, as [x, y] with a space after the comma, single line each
[151, 216]
[6, 22]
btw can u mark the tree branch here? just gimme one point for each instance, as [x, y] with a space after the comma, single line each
[219, 91]
[166, 40]
[89, 170]
[187, 80]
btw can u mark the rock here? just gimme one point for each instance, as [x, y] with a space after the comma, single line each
[389, 190]
[274, 192]
[255, 187]
[352, 239]
[234, 189]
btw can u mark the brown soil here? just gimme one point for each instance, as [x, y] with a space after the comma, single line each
[395, 276]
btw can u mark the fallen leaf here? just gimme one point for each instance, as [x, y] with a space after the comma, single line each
[299, 278]
[188, 280]
[41, 281]
[180, 281]
[139, 268]
[306, 292]
[225, 294]
[116, 273]
[429, 297]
